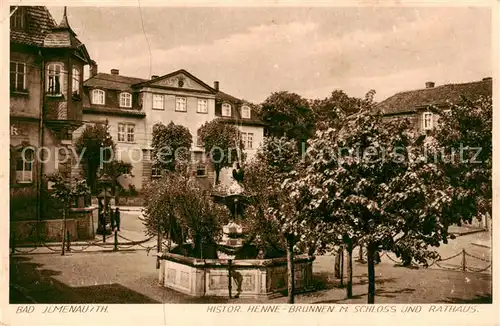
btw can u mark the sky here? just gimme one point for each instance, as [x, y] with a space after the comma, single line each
[256, 51]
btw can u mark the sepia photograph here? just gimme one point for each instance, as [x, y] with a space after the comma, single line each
[256, 155]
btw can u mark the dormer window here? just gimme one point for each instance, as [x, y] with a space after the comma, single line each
[125, 100]
[76, 81]
[54, 72]
[98, 96]
[245, 112]
[226, 110]
[427, 121]
[18, 18]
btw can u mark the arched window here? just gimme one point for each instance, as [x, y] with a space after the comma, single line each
[226, 110]
[245, 112]
[24, 165]
[54, 78]
[76, 81]
[98, 96]
[125, 100]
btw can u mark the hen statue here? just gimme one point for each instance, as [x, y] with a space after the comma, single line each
[238, 173]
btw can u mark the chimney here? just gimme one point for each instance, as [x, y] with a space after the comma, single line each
[216, 85]
[115, 71]
[93, 69]
[154, 77]
[487, 78]
[429, 84]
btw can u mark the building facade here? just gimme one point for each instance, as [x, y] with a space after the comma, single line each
[133, 106]
[46, 72]
[423, 106]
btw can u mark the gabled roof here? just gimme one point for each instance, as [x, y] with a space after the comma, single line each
[110, 81]
[180, 71]
[39, 22]
[411, 101]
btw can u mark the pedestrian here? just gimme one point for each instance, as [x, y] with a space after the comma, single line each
[117, 218]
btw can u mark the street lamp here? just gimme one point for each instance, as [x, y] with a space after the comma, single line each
[104, 182]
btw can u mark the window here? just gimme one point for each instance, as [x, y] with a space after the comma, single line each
[180, 104]
[126, 132]
[24, 166]
[155, 171]
[54, 72]
[125, 100]
[428, 121]
[76, 81]
[226, 110]
[17, 76]
[247, 140]
[157, 101]
[98, 96]
[201, 170]
[17, 20]
[202, 106]
[199, 141]
[245, 112]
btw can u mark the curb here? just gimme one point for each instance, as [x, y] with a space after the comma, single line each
[480, 245]
[459, 234]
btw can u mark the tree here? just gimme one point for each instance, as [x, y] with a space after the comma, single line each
[64, 192]
[276, 161]
[176, 207]
[171, 145]
[290, 115]
[114, 170]
[95, 146]
[331, 111]
[371, 182]
[222, 143]
[463, 148]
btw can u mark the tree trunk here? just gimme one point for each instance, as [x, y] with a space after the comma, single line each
[371, 249]
[217, 174]
[337, 265]
[349, 270]
[291, 274]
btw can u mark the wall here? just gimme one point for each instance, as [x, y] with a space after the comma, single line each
[250, 278]
[27, 104]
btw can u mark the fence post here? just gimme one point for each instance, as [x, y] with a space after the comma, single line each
[464, 263]
[116, 241]
[229, 286]
[68, 241]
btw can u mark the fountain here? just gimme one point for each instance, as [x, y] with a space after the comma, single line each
[242, 268]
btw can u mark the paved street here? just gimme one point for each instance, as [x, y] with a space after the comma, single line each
[131, 277]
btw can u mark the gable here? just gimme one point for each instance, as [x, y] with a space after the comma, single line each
[179, 81]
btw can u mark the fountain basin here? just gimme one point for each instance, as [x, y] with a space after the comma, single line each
[251, 278]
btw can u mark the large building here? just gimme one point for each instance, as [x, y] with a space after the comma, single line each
[423, 106]
[46, 72]
[132, 106]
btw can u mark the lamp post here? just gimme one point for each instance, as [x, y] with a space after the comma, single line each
[104, 181]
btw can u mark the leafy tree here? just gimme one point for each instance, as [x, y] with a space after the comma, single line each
[463, 148]
[274, 211]
[222, 143]
[114, 170]
[96, 146]
[177, 208]
[171, 145]
[64, 192]
[331, 111]
[288, 114]
[370, 182]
